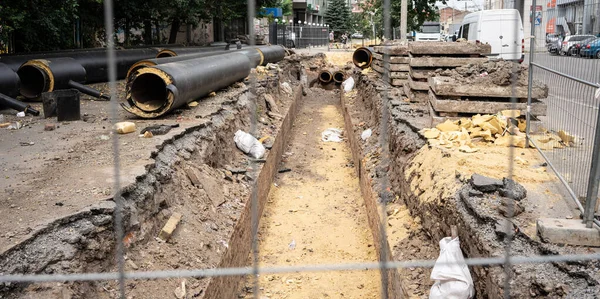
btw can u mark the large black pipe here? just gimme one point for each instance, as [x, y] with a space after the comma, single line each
[6, 101]
[45, 75]
[177, 51]
[363, 57]
[257, 55]
[154, 91]
[16, 60]
[9, 81]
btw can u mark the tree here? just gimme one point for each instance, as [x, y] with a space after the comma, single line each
[337, 16]
[419, 11]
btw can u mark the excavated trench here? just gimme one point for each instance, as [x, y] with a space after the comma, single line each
[312, 214]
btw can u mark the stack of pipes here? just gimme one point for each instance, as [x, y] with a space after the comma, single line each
[33, 74]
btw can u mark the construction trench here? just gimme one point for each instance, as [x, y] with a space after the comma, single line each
[318, 201]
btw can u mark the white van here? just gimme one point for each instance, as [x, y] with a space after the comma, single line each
[501, 28]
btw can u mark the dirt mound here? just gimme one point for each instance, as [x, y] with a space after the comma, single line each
[489, 72]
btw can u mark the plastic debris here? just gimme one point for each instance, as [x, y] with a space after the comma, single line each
[27, 143]
[450, 272]
[366, 134]
[292, 245]
[348, 85]
[21, 114]
[15, 126]
[332, 135]
[287, 88]
[248, 144]
[125, 127]
[104, 137]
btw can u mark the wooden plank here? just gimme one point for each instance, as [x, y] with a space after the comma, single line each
[446, 86]
[440, 104]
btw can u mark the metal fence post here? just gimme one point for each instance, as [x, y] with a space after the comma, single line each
[530, 79]
[592, 191]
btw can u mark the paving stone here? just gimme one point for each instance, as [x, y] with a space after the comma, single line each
[512, 189]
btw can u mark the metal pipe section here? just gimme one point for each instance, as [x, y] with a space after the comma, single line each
[9, 81]
[177, 51]
[6, 101]
[154, 91]
[88, 90]
[325, 76]
[339, 77]
[363, 57]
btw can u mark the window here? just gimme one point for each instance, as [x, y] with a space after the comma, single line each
[465, 31]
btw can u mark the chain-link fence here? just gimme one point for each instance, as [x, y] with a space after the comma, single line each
[566, 38]
[572, 108]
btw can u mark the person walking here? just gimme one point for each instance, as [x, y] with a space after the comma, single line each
[330, 39]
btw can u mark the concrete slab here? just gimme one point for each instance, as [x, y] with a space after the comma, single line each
[417, 73]
[439, 48]
[399, 50]
[394, 67]
[444, 61]
[415, 96]
[441, 104]
[393, 59]
[567, 231]
[418, 85]
[447, 86]
[397, 82]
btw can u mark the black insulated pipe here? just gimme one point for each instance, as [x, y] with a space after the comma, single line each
[177, 51]
[6, 101]
[9, 81]
[45, 75]
[154, 91]
[339, 77]
[363, 57]
[325, 76]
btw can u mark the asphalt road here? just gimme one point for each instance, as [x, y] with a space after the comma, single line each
[573, 108]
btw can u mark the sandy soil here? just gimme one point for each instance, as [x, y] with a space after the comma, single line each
[318, 207]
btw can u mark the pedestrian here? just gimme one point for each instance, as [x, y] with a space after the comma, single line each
[330, 39]
[344, 39]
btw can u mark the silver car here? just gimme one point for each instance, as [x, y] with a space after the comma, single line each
[569, 42]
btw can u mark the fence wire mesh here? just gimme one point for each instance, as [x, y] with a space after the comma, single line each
[572, 82]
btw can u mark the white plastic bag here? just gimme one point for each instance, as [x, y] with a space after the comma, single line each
[451, 274]
[248, 144]
[332, 135]
[348, 85]
[366, 134]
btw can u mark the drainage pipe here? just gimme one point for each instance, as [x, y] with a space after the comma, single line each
[9, 81]
[6, 101]
[363, 57]
[325, 76]
[257, 55]
[338, 77]
[153, 91]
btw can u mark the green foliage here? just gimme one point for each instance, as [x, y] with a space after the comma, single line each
[338, 16]
[419, 11]
[286, 7]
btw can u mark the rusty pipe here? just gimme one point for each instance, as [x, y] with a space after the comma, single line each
[338, 77]
[325, 76]
[363, 57]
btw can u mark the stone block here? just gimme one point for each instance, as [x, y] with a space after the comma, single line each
[398, 50]
[170, 226]
[567, 231]
[393, 59]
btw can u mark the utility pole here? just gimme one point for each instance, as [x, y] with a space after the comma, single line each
[587, 16]
[403, 19]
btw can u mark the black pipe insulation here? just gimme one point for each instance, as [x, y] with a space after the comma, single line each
[363, 57]
[16, 60]
[339, 76]
[325, 76]
[177, 51]
[256, 55]
[154, 91]
[9, 81]
[6, 101]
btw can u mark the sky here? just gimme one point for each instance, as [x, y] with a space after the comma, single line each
[471, 4]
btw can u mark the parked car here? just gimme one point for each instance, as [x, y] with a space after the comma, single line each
[356, 35]
[578, 45]
[553, 42]
[570, 41]
[591, 50]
